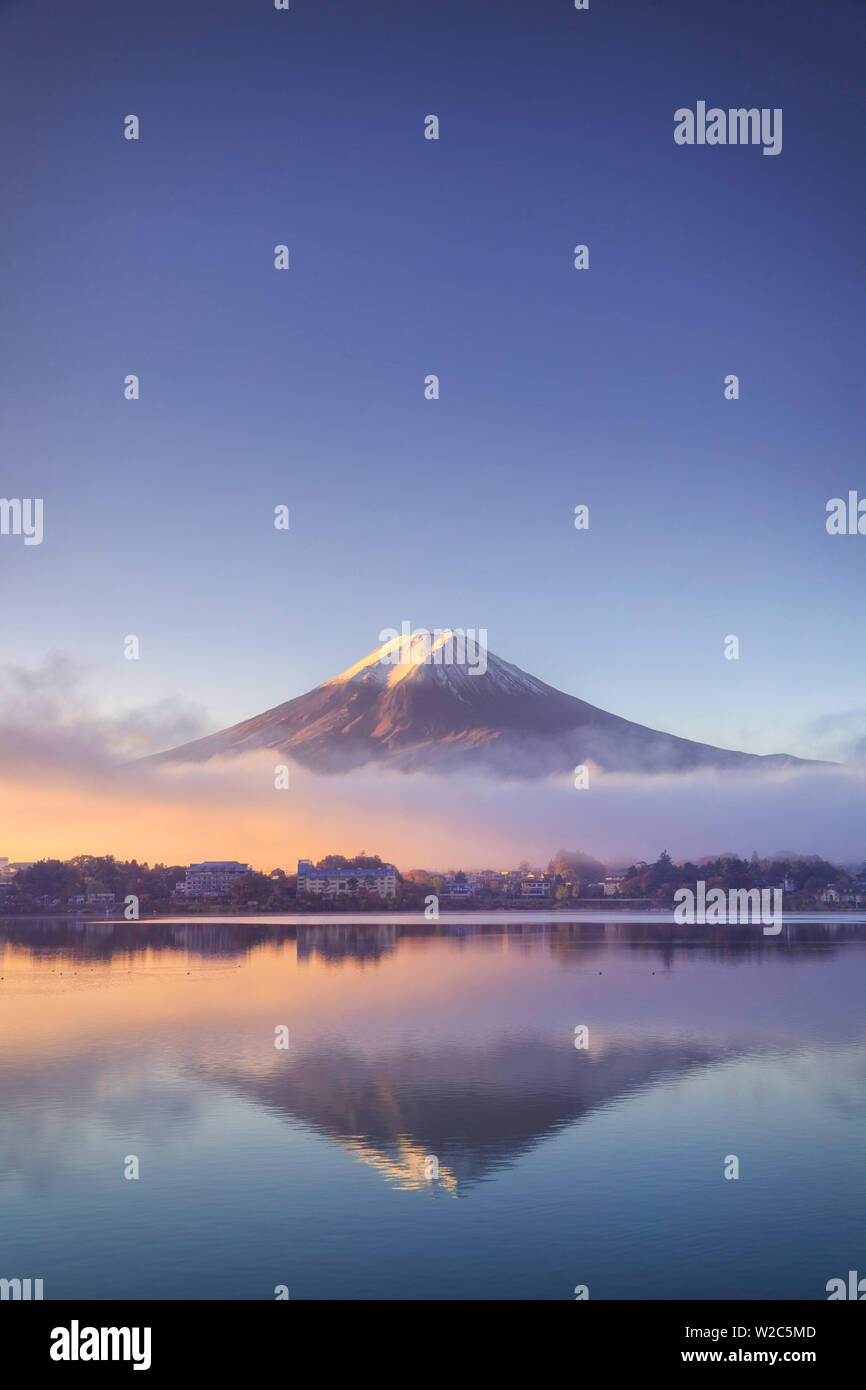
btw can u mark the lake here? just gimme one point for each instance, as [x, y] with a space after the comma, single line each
[432, 1131]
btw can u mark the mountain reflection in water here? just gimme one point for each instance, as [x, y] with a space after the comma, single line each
[444, 1049]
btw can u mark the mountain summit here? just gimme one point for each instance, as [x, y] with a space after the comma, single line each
[440, 702]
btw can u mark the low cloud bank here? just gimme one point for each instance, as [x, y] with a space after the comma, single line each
[68, 787]
[48, 717]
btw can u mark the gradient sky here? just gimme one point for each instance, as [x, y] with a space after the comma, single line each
[408, 257]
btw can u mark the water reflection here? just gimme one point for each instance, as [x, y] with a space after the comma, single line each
[368, 939]
[474, 1110]
[452, 1042]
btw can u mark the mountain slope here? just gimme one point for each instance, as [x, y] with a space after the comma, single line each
[445, 703]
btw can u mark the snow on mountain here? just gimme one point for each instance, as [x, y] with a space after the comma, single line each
[446, 657]
[443, 702]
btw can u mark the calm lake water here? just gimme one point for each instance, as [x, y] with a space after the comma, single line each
[308, 1167]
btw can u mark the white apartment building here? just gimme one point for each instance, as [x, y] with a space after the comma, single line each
[346, 881]
[535, 886]
[214, 876]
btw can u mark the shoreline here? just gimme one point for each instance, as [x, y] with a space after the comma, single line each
[495, 917]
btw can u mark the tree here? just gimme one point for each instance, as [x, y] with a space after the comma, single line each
[251, 887]
[49, 878]
[573, 864]
[358, 861]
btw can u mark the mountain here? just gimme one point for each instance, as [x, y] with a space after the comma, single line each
[480, 1109]
[442, 702]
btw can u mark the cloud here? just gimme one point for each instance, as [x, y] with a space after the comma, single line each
[231, 809]
[66, 770]
[48, 718]
[840, 735]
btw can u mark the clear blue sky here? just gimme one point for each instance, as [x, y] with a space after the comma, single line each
[409, 257]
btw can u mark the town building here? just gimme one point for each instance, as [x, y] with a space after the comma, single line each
[497, 883]
[535, 886]
[211, 878]
[346, 881]
[461, 888]
[9, 870]
[839, 893]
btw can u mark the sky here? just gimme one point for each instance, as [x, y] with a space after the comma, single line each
[408, 256]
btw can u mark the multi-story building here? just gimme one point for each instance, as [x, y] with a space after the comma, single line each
[612, 884]
[8, 871]
[213, 877]
[461, 888]
[535, 886]
[839, 893]
[498, 883]
[346, 881]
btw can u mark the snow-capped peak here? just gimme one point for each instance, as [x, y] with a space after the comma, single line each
[452, 657]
